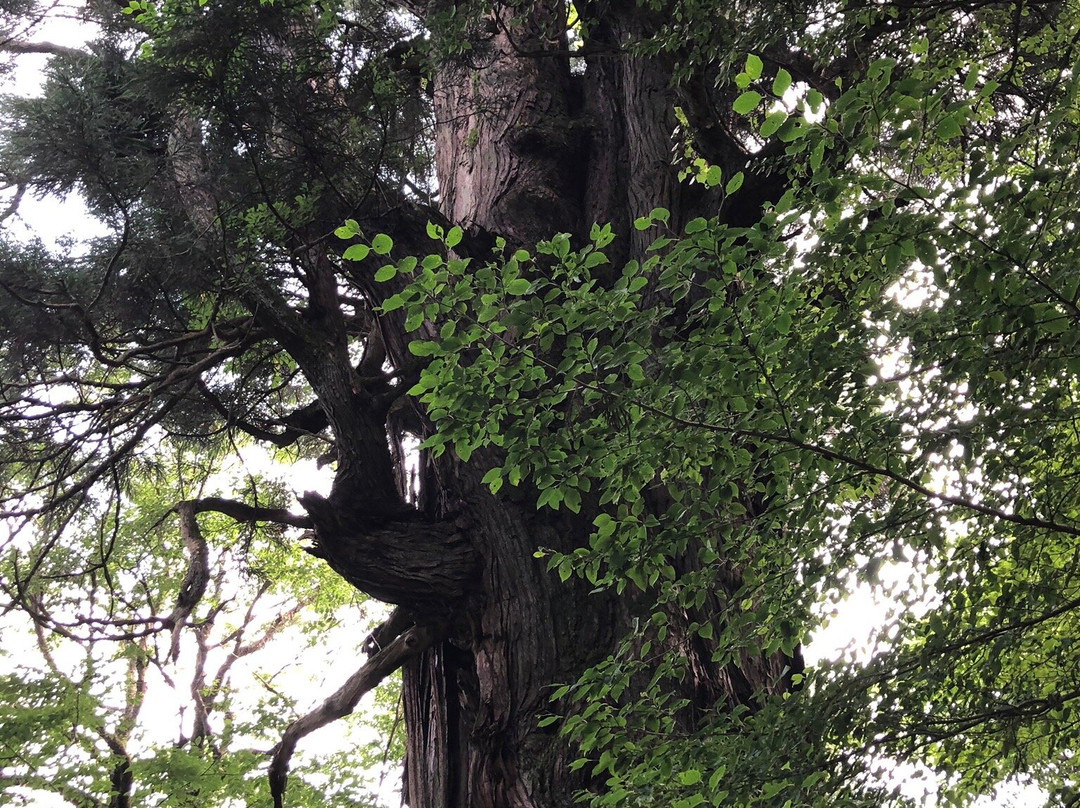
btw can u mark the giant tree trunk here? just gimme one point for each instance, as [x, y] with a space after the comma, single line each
[526, 149]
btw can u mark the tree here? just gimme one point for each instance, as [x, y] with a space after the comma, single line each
[698, 311]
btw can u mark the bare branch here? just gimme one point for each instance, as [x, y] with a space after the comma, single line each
[196, 577]
[13, 206]
[410, 644]
[51, 48]
[242, 512]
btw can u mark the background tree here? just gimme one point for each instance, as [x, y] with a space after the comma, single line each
[705, 308]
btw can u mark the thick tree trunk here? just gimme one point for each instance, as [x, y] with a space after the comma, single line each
[472, 703]
[507, 148]
[520, 155]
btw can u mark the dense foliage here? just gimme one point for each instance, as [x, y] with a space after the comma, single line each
[867, 380]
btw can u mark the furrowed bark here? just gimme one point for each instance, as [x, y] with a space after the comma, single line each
[426, 567]
[472, 705]
[505, 159]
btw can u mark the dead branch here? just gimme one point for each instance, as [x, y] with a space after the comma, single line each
[196, 577]
[51, 48]
[410, 644]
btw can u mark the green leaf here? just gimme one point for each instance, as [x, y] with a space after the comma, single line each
[781, 83]
[393, 303]
[595, 259]
[747, 102]
[518, 286]
[692, 801]
[948, 128]
[754, 66]
[660, 215]
[735, 183]
[717, 776]
[572, 500]
[926, 252]
[356, 252]
[423, 348]
[385, 273]
[605, 525]
[772, 123]
[782, 323]
[690, 777]
[382, 244]
[453, 238]
[348, 230]
[816, 156]
[893, 254]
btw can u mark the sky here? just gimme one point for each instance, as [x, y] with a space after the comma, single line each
[48, 218]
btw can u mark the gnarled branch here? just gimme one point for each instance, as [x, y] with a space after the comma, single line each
[195, 579]
[399, 558]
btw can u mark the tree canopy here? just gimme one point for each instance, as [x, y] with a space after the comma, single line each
[701, 314]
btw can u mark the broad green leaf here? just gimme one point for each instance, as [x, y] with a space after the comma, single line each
[949, 128]
[753, 66]
[781, 83]
[772, 123]
[747, 102]
[382, 244]
[518, 286]
[356, 252]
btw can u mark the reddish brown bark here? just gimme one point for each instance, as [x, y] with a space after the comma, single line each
[522, 155]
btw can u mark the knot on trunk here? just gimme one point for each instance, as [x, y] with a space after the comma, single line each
[396, 557]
